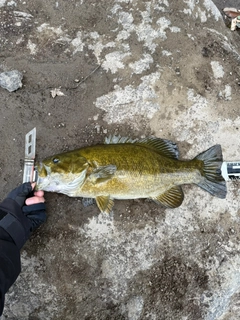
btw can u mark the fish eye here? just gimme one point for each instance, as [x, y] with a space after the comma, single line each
[56, 160]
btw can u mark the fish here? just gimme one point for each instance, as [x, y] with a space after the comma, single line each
[125, 168]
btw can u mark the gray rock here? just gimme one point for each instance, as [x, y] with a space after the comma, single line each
[87, 202]
[11, 80]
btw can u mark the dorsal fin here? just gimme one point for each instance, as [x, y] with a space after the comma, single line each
[164, 147]
[118, 139]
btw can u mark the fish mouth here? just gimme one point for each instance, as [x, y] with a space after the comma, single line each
[58, 182]
[41, 176]
[48, 184]
[42, 169]
[46, 180]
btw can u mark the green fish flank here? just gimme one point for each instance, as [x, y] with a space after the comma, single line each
[123, 168]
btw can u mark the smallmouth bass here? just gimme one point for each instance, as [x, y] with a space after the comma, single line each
[123, 168]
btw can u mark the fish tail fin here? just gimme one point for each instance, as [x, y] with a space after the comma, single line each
[213, 181]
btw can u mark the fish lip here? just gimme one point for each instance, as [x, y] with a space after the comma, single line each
[41, 181]
[47, 168]
[45, 180]
[40, 165]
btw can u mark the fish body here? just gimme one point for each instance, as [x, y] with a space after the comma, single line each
[123, 168]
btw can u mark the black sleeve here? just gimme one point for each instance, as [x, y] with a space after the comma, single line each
[15, 229]
[14, 222]
[10, 265]
[13, 234]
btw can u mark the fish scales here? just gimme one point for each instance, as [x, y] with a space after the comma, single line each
[140, 171]
[130, 169]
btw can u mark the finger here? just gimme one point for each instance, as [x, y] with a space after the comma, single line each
[39, 193]
[34, 200]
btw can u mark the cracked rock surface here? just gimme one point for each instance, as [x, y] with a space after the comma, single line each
[135, 68]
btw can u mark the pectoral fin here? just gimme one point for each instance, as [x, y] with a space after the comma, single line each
[102, 174]
[172, 198]
[105, 203]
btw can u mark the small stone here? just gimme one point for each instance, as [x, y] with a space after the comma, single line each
[56, 92]
[97, 126]
[11, 80]
[87, 202]
[178, 72]
[206, 52]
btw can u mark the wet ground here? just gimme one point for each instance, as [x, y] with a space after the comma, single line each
[134, 68]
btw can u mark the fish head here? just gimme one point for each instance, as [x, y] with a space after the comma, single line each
[63, 173]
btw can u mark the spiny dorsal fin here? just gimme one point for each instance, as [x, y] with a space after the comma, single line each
[105, 203]
[118, 139]
[164, 147]
[172, 198]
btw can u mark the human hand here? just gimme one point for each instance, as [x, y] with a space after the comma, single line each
[35, 209]
[32, 204]
[24, 212]
[38, 197]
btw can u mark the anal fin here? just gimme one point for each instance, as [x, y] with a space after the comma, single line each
[104, 203]
[172, 198]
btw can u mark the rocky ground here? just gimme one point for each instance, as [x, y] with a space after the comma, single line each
[135, 68]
